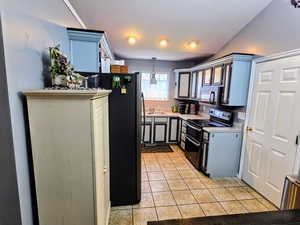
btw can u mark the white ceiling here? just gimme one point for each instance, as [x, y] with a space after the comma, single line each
[211, 23]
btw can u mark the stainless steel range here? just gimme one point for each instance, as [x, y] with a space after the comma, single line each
[197, 140]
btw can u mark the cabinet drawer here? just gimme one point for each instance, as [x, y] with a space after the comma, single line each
[161, 119]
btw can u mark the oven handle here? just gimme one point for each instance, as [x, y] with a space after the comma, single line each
[193, 142]
[195, 128]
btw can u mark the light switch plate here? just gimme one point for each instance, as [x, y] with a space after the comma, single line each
[242, 115]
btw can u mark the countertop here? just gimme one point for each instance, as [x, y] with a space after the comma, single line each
[182, 116]
[68, 92]
[223, 129]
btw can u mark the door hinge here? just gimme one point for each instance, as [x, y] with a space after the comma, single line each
[297, 140]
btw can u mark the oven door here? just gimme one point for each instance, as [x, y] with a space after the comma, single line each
[194, 132]
[193, 150]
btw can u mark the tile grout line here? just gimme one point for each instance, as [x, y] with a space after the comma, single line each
[183, 179]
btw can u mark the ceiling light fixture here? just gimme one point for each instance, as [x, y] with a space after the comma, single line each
[153, 75]
[131, 40]
[193, 44]
[163, 43]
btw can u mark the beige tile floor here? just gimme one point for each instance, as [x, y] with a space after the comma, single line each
[172, 188]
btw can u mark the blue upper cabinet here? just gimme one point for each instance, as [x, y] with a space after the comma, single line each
[85, 49]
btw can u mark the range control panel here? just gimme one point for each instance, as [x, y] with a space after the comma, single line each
[220, 114]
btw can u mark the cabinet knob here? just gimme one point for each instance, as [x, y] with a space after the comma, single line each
[105, 170]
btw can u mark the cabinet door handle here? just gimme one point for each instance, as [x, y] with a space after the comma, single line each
[193, 142]
[104, 170]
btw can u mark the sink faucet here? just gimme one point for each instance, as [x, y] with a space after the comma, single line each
[151, 110]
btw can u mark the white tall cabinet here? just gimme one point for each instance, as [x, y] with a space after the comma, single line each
[70, 150]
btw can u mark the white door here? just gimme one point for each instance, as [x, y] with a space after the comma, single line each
[274, 118]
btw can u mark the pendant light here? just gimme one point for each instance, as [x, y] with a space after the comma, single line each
[153, 77]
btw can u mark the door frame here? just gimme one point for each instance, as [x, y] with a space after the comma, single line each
[256, 61]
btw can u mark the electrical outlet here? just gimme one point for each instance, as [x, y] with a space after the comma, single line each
[242, 115]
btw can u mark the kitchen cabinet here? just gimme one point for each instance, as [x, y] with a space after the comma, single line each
[226, 87]
[148, 132]
[183, 85]
[86, 49]
[236, 83]
[194, 85]
[173, 130]
[199, 83]
[160, 133]
[207, 77]
[217, 79]
[162, 129]
[224, 81]
[70, 154]
[216, 162]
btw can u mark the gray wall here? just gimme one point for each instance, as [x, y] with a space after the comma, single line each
[27, 35]
[9, 199]
[275, 29]
[143, 65]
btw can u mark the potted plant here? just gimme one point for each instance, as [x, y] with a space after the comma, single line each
[62, 72]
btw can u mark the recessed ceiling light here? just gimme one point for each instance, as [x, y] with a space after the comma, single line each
[163, 43]
[193, 44]
[131, 40]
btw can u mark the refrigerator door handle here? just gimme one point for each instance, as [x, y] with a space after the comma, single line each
[144, 117]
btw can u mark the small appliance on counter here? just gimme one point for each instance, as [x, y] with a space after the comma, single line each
[183, 108]
[193, 109]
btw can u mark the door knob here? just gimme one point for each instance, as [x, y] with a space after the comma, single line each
[249, 129]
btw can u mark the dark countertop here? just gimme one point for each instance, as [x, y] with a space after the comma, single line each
[289, 217]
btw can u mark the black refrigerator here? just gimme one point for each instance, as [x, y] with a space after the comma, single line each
[125, 105]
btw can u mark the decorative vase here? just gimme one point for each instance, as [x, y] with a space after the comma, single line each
[59, 81]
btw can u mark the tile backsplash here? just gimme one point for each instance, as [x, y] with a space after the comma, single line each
[164, 106]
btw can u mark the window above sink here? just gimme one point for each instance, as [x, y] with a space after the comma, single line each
[158, 91]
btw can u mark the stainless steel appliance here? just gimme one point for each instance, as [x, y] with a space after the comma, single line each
[291, 193]
[210, 94]
[197, 140]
